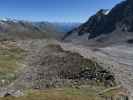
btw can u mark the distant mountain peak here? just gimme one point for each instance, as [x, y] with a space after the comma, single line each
[105, 21]
[7, 19]
[103, 11]
[14, 29]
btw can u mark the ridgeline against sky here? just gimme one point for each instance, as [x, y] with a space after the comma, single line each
[53, 10]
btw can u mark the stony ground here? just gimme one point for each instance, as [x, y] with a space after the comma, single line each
[122, 57]
[48, 65]
[117, 59]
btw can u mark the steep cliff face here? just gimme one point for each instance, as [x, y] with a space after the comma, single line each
[90, 25]
[104, 22]
[93, 22]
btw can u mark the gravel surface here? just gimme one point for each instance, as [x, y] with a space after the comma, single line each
[117, 58]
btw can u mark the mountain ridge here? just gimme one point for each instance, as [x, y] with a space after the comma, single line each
[118, 18]
[21, 29]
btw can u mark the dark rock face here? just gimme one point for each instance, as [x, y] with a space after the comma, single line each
[7, 95]
[130, 41]
[93, 22]
[120, 17]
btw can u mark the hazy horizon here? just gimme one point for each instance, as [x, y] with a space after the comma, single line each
[53, 11]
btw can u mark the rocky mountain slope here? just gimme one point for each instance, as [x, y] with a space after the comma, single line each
[55, 30]
[42, 64]
[38, 64]
[105, 22]
[19, 29]
[60, 26]
[52, 64]
[48, 65]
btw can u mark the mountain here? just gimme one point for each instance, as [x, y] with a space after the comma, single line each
[66, 27]
[19, 29]
[118, 19]
[56, 29]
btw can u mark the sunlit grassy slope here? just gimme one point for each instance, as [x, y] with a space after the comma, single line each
[10, 62]
[87, 93]
[81, 93]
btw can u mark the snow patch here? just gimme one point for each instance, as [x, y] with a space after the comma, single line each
[2, 20]
[107, 12]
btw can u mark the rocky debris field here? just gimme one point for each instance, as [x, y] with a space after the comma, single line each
[52, 64]
[115, 58]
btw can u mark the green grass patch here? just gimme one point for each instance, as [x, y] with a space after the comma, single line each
[113, 91]
[87, 93]
[59, 94]
[10, 62]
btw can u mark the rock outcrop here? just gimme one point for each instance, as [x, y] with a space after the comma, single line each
[104, 22]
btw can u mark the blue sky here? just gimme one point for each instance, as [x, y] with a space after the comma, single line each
[53, 10]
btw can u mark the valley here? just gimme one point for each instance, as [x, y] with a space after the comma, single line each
[34, 77]
[68, 61]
